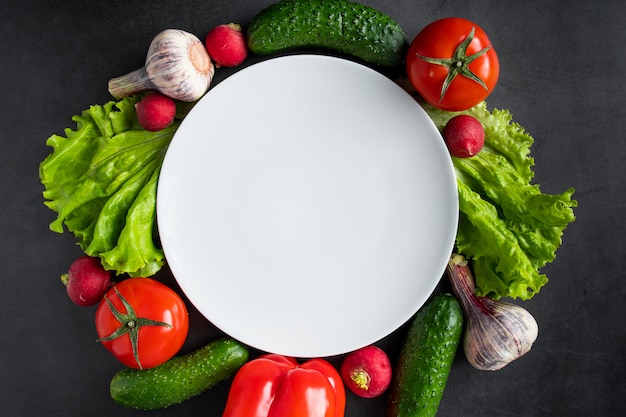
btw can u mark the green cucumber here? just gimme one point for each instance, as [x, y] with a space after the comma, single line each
[339, 25]
[426, 358]
[180, 378]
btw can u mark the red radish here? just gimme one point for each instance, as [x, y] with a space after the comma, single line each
[156, 111]
[464, 136]
[226, 45]
[367, 371]
[86, 281]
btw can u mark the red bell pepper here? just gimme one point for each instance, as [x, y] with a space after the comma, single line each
[277, 386]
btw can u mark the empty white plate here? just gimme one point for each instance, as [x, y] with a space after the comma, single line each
[307, 206]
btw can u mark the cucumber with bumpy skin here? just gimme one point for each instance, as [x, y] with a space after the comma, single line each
[426, 358]
[180, 378]
[339, 25]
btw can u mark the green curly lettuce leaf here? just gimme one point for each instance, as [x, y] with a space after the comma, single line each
[101, 181]
[508, 227]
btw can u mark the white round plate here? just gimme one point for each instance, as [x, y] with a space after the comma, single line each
[307, 206]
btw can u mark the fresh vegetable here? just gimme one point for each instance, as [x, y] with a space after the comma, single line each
[452, 64]
[142, 322]
[86, 281]
[426, 358]
[177, 65]
[508, 228]
[366, 371]
[496, 332]
[337, 25]
[101, 180]
[276, 385]
[464, 136]
[156, 112]
[226, 45]
[180, 378]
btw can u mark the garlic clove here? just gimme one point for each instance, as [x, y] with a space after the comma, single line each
[177, 65]
[507, 333]
[496, 332]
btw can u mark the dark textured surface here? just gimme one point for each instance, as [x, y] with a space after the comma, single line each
[563, 65]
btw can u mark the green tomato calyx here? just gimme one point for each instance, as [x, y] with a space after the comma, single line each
[458, 64]
[129, 324]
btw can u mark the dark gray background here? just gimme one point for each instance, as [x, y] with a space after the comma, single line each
[563, 67]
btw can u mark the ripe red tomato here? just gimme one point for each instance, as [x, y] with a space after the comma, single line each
[452, 64]
[142, 322]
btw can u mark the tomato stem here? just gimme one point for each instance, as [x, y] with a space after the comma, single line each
[129, 324]
[458, 64]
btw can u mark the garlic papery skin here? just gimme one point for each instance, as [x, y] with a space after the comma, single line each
[177, 65]
[496, 332]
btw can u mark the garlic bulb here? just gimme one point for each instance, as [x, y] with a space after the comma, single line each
[496, 332]
[177, 65]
